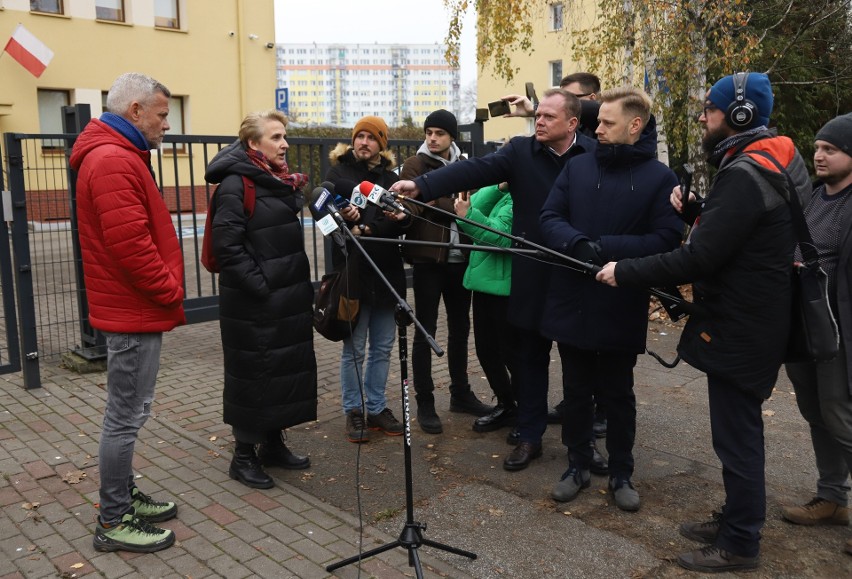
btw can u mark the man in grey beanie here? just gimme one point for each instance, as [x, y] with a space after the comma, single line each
[824, 390]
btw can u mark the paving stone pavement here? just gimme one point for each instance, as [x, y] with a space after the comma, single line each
[49, 482]
[49, 486]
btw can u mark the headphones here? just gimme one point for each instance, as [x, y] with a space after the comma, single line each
[742, 112]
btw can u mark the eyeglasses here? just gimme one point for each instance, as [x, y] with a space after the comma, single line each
[710, 109]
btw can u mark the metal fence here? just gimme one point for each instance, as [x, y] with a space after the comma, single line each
[47, 266]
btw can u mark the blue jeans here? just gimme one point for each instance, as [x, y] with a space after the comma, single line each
[132, 364]
[377, 323]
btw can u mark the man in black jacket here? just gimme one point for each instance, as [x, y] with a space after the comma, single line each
[739, 258]
[438, 273]
[530, 165]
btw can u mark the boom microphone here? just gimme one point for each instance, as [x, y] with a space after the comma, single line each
[381, 197]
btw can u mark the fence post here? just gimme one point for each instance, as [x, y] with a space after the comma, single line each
[23, 262]
[93, 343]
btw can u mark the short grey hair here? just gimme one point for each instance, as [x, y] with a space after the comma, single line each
[253, 125]
[130, 87]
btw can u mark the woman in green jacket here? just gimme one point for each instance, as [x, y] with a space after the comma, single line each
[489, 277]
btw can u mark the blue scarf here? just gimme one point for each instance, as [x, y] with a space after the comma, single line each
[127, 129]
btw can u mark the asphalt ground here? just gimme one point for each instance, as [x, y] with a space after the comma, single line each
[355, 494]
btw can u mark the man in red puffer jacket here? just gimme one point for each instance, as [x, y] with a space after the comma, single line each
[133, 270]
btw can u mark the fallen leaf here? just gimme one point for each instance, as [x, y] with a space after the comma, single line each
[77, 565]
[768, 413]
[74, 476]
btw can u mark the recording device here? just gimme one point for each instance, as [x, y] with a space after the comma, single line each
[530, 90]
[686, 183]
[325, 213]
[381, 197]
[499, 108]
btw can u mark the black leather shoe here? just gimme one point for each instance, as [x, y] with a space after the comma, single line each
[599, 464]
[277, 454]
[468, 403]
[245, 467]
[522, 456]
[514, 437]
[501, 416]
[554, 416]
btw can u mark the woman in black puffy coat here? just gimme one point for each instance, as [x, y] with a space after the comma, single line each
[265, 298]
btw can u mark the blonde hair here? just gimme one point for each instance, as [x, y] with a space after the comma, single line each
[251, 129]
[634, 102]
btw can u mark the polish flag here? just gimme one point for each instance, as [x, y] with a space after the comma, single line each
[32, 53]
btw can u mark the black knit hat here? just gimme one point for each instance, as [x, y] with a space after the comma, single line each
[443, 119]
[838, 132]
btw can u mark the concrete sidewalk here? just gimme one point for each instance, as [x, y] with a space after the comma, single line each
[48, 461]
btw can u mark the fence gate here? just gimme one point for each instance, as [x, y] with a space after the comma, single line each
[10, 350]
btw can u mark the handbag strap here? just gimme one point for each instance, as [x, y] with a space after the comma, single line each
[803, 234]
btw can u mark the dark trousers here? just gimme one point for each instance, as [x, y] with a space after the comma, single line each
[736, 424]
[494, 344]
[532, 359]
[608, 377]
[432, 281]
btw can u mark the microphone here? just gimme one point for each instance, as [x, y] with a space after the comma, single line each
[344, 185]
[325, 213]
[381, 197]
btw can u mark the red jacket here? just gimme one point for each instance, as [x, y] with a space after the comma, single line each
[132, 261]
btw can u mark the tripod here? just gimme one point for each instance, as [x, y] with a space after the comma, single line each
[411, 537]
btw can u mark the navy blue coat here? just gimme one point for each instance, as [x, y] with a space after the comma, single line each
[619, 198]
[530, 168]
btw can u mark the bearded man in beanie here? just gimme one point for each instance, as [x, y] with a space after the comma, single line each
[739, 258]
[367, 159]
[824, 389]
[438, 273]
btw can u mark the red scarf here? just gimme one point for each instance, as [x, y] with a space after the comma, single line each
[294, 180]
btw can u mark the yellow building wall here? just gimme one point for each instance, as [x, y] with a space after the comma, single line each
[547, 45]
[223, 76]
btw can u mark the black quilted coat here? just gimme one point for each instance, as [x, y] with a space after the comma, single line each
[265, 299]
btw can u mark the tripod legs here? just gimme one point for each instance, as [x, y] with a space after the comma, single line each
[411, 538]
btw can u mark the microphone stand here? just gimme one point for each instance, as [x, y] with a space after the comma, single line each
[670, 300]
[411, 537]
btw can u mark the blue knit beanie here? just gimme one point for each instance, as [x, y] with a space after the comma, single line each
[758, 90]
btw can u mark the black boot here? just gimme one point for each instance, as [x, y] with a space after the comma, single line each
[502, 415]
[274, 452]
[467, 402]
[245, 467]
[427, 418]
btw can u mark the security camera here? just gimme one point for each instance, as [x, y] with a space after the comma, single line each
[270, 45]
[232, 33]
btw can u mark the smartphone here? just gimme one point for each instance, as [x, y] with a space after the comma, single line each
[499, 108]
[530, 90]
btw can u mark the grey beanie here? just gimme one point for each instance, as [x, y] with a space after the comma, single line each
[838, 132]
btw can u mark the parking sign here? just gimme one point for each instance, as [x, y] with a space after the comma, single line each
[282, 100]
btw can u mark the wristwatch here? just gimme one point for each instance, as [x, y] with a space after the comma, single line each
[361, 228]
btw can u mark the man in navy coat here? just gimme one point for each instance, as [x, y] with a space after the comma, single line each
[530, 165]
[606, 206]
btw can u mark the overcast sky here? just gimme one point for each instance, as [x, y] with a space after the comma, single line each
[368, 21]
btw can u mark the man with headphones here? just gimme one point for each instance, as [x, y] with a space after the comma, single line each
[739, 257]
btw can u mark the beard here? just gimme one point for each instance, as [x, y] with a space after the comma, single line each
[711, 139]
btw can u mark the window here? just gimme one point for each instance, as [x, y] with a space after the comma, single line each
[176, 124]
[47, 6]
[109, 10]
[50, 103]
[555, 72]
[556, 11]
[166, 14]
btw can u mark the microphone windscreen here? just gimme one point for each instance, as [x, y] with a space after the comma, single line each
[365, 187]
[345, 186]
[329, 186]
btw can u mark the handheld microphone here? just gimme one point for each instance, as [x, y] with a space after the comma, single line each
[344, 185]
[381, 197]
[325, 214]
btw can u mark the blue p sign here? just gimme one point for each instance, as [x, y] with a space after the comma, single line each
[282, 100]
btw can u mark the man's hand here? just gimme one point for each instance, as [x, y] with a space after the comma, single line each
[350, 213]
[607, 274]
[675, 199]
[523, 106]
[407, 188]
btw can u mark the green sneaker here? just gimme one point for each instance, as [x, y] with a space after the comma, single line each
[132, 534]
[150, 510]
